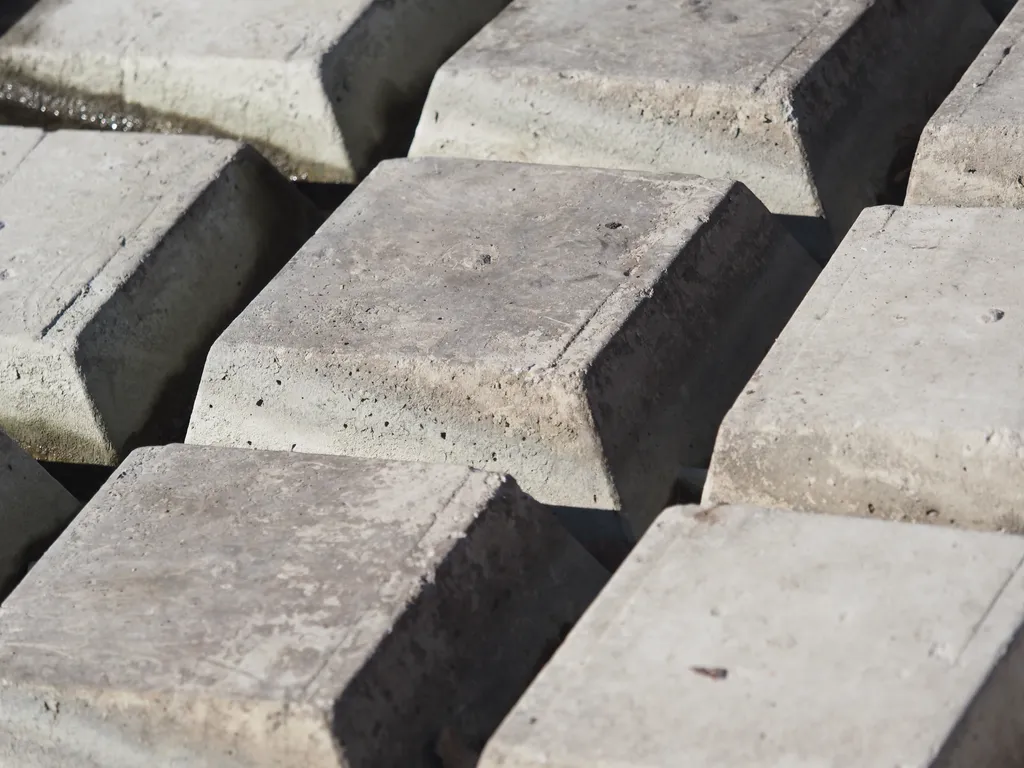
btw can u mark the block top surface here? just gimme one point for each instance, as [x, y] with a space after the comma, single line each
[15, 145]
[476, 262]
[839, 641]
[63, 255]
[240, 572]
[912, 326]
[734, 43]
[281, 30]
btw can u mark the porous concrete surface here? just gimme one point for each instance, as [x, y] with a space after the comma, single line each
[811, 104]
[317, 85]
[33, 507]
[746, 637]
[584, 330]
[15, 143]
[222, 607]
[121, 257]
[972, 150]
[894, 390]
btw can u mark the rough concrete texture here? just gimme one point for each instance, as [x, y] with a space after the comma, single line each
[120, 258]
[744, 637]
[584, 330]
[318, 85]
[15, 144]
[812, 105]
[972, 150]
[222, 607]
[33, 507]
[894, 390]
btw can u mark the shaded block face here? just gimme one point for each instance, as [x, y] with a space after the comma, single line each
[583, 330]
[893, 391]
[972, 150]
[33, 508]
[748, 637]
[320, 87]
[811, 105]
[220, 607]
[120, 258]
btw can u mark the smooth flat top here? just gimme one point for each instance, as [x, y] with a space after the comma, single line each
[15, 144]
[279, 30]
[994, 86]
[914, 325]
[735, 43]
[235, 572]
[845, 642]
[475, 261]
[78, 211]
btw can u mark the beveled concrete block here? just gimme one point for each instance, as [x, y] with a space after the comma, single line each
[971, 150]
[812, 105]
[120, 258]
[583, 330]
[33, 507]
[321, 87]
[745, 637]
[893, 391]
[230, 608]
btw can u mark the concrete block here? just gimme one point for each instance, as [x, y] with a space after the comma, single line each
[584, 330]
[745, 637]
[318, 87]
[121, 257]
[33, 508]
[15, 144]
[971, 150]
[230, 608]
[894, 389]
[813, 105]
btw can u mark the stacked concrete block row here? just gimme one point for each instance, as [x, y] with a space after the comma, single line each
[570, 296]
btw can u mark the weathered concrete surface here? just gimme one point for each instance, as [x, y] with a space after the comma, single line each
[15, 144]
[747, 638]
[972, 150]
[317, 85]
[33, 506]
[120, 258]
[221, 607]
[810, 104]
[894, 390]
[583, 330]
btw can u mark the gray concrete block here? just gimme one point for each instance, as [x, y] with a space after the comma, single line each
[894, 390]
[971, 150]
[33, 508]
[221, 607]
[121, 257]
[810, 104]
[746, 637]
[583, 330]
[318, 87]
[15, 143]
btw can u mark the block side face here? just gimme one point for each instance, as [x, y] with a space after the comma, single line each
[32, 506]
[472, 641]
[819, 646]
[891, 389]
[658, 396]
[474, 356]
[330, 538]
[969, 153]
[203, 258]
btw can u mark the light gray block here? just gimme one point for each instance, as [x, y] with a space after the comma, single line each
[894, 390]
[15, 144]
[744, 637]
[972, 150]
[221, 607]
[810, 104]
[33, 507]
[583, 330]
[318, 86]
[120, 258]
